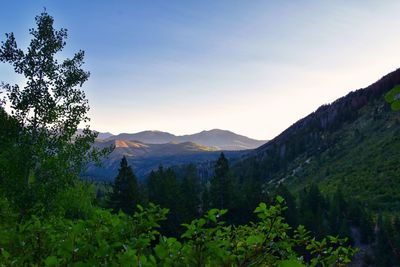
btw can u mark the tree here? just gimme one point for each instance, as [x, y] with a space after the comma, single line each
[164, 190]
[125, 194]
[190, 193]
[312, 210]
[49, 106]
[221, 188]
[291, 213]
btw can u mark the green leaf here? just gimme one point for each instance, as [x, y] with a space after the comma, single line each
[395, 105]
[261, 208]
[254, 239]
[51, 261]
[161, 251]
[280, 199]
[201, 222]
[393, 97]
[5, 254]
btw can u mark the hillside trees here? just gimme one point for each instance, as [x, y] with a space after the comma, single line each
[49, 106]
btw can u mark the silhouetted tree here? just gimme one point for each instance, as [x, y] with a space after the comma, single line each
[190, 193]
[291, 213]
[125, 193]
[164, 190]
[312, 210]
[221, 189]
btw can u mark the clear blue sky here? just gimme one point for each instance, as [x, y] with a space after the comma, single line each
[253, 67]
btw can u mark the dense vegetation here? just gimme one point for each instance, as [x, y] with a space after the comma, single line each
[322, 214]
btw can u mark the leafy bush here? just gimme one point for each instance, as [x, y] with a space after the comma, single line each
[120, 240]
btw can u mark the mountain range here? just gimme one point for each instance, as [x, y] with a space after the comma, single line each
[216, 138]
[147, 150]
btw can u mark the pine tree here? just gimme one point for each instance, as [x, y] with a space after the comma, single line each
[291, 213]
[190, 193]
[312, 209]
[205, 198]
[221, 189]
[164, 190]
[125, 194]
[336, 212]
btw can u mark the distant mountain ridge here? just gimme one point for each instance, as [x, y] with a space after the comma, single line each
[136, 149]
[216, 138]
[146, 150]
[146, 157]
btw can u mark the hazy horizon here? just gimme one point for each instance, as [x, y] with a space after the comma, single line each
[253, 68]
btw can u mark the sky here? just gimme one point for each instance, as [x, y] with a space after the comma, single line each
[252, 67]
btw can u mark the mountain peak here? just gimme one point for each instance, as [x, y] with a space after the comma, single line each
[217, 131]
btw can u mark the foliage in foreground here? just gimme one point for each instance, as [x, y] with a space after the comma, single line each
[121, 240]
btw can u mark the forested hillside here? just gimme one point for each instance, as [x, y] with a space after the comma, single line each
[352, 143]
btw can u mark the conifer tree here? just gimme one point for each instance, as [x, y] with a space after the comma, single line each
[291, 213]
[125, 194]
[190, 193]
[164, 190]
[312, 209]
[205, 198]
[221, 189]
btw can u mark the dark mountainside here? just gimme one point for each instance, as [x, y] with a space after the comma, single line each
[353, 143]
[218, 139]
